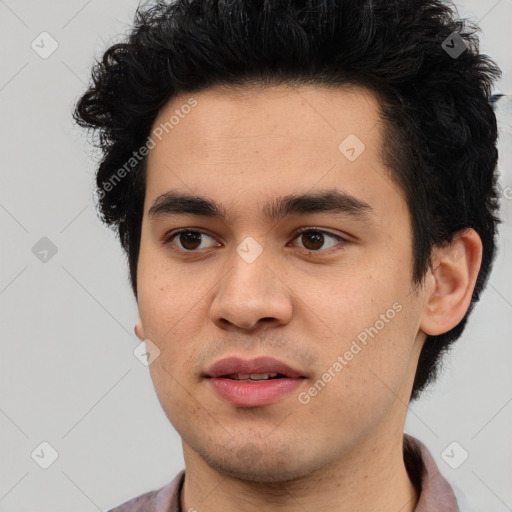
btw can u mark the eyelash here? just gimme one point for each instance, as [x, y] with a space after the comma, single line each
[168, 239]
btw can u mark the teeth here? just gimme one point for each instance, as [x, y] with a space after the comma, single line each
[252, 376]
[262, 376]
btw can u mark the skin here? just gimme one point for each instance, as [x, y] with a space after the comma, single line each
[343, 450]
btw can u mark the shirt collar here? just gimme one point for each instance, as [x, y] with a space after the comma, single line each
[435, 493]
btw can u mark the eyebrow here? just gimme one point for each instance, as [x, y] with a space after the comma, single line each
[327, 201]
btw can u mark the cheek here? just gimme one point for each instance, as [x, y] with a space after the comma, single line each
[372, 328]
[171, 392]
[168, 293]
[364, 390]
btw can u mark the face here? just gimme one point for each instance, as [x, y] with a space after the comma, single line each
[320, 283]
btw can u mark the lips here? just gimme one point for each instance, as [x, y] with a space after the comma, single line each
[236, 368]
[256, 383]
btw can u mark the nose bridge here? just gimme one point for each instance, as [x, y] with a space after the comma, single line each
[251, 290]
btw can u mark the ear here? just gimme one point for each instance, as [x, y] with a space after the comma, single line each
[138, 329]
[451, 282]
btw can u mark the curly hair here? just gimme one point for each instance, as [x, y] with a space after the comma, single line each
[441, 131]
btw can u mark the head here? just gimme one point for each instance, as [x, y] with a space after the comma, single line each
[246, 104]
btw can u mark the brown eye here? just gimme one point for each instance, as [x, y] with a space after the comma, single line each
[315, 239]
[312, 240]
[189, 240]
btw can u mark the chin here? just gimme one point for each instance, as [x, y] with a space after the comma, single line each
[252, 464]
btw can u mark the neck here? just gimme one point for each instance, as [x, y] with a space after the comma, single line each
[370, 476]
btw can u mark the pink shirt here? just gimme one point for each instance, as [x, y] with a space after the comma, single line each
[435, 493]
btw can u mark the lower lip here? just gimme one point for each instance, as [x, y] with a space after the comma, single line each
[253, 394]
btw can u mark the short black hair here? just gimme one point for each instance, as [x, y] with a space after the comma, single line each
[436, 103]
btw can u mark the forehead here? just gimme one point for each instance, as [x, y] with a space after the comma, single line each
[240, 145]
[251, 117]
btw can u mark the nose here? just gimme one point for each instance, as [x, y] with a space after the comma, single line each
[252, 294]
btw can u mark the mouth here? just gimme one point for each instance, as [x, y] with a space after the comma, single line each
[261, 368]
[255, 377]
[254, 383]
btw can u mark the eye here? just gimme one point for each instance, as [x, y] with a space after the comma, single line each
[314, 239]
[188, 239]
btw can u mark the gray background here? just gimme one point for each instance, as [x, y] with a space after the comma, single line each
[68, 375]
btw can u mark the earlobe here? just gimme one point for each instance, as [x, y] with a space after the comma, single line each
[138, 329]
[453, 276]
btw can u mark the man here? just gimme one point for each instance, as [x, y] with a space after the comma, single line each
[306, 195]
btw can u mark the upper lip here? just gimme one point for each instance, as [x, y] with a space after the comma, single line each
[232, 365]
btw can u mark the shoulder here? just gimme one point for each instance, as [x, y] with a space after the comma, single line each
[165, 499]
[144, 502]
